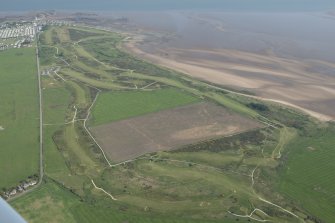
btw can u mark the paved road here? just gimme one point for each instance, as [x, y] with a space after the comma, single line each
[41, 113]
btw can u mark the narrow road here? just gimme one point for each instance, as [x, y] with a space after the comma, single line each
[41, 112]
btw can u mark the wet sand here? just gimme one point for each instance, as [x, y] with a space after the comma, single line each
[314, 95]
[297, 79]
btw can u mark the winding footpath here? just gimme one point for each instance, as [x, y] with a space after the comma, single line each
[251, 215]
[88, 131]
[99, 188]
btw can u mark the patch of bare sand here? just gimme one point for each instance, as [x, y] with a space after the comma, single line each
[281, 80]
[204, 131]
[1, 128]
[203, 73]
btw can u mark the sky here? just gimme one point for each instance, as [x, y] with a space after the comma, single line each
[110, 5]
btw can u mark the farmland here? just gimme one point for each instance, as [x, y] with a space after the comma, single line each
[121, 105]
[18, 116]
[91, 84]
[183, 125]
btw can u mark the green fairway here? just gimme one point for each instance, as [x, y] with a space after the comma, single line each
[116, 106]
[53, 204]
[56, 100]
[90, 214]
[19, 116]
[90, 80]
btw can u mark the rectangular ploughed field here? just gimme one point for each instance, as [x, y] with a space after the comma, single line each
[168, 129]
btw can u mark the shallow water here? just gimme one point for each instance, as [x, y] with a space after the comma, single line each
[303, 35]
[282, 56]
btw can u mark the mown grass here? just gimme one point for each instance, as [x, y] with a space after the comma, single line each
[55, 100]
[49, 202]
[116, 106]
[91, 214]
[105, 84]
[55, 204]
[179, 189]
[78, 34]
[212, 178]
[19, 116]
[308, 176]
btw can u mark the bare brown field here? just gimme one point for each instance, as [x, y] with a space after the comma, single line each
[169, 129]
[305, 84]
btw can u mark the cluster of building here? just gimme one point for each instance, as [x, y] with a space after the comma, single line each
[20, 31]
[51, 22]
[26, 41]
[25, 185]
[17, 35]
[3, 46]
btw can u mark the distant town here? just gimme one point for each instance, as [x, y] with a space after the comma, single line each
[17, 35]
[22, 34]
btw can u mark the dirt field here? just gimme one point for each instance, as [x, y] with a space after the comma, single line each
[168, 130]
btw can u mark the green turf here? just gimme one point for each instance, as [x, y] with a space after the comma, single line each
[90, 214]
[19, 116]
[309, 176]
[50, 203]
[76, 34]
[55, 100]
[122, 105]
[54, 204]
[202, 181]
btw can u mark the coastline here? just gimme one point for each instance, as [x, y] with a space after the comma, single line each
[130, 46]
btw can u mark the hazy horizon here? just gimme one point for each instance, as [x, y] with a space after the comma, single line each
[229, 5]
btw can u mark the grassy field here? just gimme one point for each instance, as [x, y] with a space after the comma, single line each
[114, 106]
[308, 176]
[69, 154]
[55, 100]
[52, 203]
[19, 116]
[216, 180]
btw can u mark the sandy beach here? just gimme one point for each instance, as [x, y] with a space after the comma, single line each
[272, 78]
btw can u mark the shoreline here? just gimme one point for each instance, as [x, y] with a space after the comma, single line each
[130, 46]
